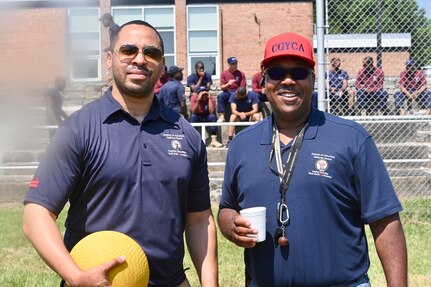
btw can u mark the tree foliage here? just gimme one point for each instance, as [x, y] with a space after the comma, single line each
[395, 16]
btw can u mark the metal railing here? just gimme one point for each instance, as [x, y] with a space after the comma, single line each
[366, 121]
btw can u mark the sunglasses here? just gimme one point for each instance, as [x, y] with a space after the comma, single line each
[128, 52]
[280, 73]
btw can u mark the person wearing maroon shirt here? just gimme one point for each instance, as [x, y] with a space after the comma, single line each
[258, 87]
[202, 107]
[230, 80]
[163, 79]
[413, 87]
[370, 95]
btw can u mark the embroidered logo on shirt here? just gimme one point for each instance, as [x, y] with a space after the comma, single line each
[321, 165]
[176, 145]
[34, 183]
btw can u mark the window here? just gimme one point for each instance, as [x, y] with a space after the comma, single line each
[161, 18]
[202, 37]
[84, 44]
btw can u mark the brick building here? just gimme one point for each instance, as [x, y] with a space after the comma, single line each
[44, 38]
[41, 39]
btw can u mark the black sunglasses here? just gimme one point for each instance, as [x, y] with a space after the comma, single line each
[280, 73]
[129, 52]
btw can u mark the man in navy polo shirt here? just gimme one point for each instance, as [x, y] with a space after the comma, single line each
[245, 107]
[172, 93]
[126, 163]
[340, 99]
[321, 179]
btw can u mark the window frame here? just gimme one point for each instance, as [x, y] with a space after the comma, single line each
[215, 54]
[161, 30]
[97, 57]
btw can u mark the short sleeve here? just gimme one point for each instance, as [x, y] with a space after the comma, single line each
[58, 173]
[374, 187]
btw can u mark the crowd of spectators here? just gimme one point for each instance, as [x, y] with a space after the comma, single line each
[237, 102]
[369, 97]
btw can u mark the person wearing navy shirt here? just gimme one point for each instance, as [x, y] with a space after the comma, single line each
[318, 195]
[340, 100]
[199, 78]
[244, 106]
[172, 94]
[127, 163]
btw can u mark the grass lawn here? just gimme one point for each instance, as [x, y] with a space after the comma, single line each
[20, 265]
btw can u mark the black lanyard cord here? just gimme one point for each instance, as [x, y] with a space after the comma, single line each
[285, 172]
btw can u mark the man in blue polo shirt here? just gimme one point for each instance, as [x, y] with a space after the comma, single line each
[172, 93]
[318, 195]
[340, 98]
[245, 107]
[126, 163]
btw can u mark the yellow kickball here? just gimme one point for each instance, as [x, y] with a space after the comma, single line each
[103, 246]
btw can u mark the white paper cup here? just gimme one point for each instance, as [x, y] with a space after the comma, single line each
[257, 218]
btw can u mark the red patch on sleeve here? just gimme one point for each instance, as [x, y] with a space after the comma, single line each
[34, 183]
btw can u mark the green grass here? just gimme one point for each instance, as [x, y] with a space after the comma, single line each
[20, 265]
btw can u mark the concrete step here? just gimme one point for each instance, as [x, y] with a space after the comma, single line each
[13, 187]
[398, 129]
[24, 169]
[407, 150]
[411, 183]
[21, 156]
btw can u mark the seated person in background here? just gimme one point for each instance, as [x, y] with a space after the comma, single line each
[202, 107]
[340, 101]
[413, 86]
[172, 93]
[163, 79]
[244, 106]
[230, 81]
[258, 86]
[199, 78]
[370, 95]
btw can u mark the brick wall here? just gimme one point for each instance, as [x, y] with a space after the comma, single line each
[393, 62]
[32, 45]
[243, 38]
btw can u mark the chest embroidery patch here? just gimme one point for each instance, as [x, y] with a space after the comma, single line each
[321, 165]
[176, 147]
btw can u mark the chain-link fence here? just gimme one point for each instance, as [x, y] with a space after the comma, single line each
[378, 55]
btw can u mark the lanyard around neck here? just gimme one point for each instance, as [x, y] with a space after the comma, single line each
[285, 172]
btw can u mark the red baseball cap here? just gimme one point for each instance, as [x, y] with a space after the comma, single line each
[288, 44]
